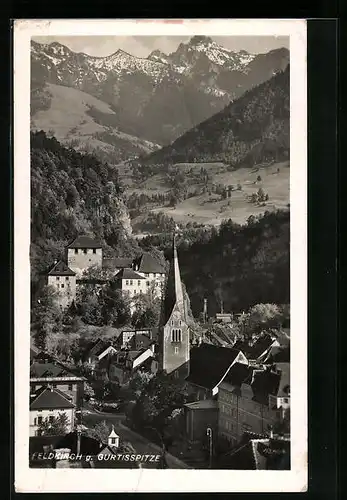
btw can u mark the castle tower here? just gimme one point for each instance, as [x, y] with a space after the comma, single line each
[174, 331]
[63, 279]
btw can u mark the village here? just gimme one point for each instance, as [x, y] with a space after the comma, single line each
[207, 400]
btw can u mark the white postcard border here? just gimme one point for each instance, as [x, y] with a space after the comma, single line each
[147, 480]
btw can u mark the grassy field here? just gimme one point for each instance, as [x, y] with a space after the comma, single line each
[67, 117]
[211, 209]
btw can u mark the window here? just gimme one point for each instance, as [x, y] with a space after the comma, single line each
[139, 283]
[127, 282]
[147, 283]
[176, 374]
[51, 419]
[62, 285]
[76, 251]
[176, 334]
[94, 250]
[134, 292]
[54, 386]
[85, 250]
[39, 420]
[131, 282]
[57, 278]
[66, 278]
[176, 350]
[70, 387]
[113, 440]
[285, 400]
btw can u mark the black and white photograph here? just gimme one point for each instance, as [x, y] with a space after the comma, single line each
[163, 292]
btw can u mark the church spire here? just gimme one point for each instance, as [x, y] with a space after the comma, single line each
[174, 291]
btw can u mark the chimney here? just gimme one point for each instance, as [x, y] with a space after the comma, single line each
[205, 310]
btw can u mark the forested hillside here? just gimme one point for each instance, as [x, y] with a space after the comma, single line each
[237, 266]
[73, 193]
[250, 130]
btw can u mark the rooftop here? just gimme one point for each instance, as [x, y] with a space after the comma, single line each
[47, 398]
[253, 351]
[38, 370]
[61, 269]
[84, 242]
[116, 263]
[128, 273]
[146, 263]
[209, 364]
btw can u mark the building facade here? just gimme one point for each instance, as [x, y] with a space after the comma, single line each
[83, 253]
[47, 405]
[63, 280]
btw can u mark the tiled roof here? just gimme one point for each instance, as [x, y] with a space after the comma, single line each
[209, 363]
[148, 264]
[238, 374]
[84, 242]
[47, 398]
[61, 269]
[38, 370]
[116, 263]
[128, 273]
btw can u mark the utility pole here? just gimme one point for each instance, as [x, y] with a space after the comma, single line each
[209, 434]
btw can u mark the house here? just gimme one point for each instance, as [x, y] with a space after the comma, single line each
[63, 280]
[252, 400]
[125, 362]
[44, 374]
[83, 253]
[209, 365]
[99, 349]
[49, 403]
[126, 336]
[174, 338]
[154, 272]
[131, 283]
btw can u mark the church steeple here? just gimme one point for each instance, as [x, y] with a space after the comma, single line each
[174, 339]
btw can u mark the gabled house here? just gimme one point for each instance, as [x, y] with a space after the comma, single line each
[49, 403]
[151, 269]
[125, 362]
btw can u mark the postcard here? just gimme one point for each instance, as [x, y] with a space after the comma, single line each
[160, 255]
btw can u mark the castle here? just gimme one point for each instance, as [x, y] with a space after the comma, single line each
[132, 276]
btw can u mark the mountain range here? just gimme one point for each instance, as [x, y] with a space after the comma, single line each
[251, 130]
[129, 106]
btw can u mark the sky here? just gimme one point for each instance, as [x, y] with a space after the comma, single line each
[142, 46]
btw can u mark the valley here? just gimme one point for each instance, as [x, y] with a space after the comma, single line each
[210, 208]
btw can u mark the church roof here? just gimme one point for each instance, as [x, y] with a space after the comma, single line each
[61, 269]
[128, 273]
[146, 263]
[84, 242]
[174, 292]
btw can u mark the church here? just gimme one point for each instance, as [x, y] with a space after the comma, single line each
[174, 342]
